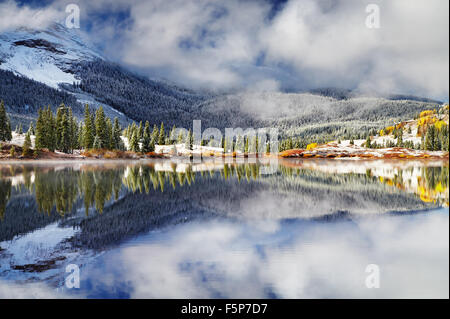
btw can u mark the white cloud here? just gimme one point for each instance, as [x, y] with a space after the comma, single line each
[408, 53]
[307, 44]
[201, 40]
[292, 260]
[13, 16]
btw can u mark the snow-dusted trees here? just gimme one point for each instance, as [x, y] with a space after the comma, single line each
[5, 125]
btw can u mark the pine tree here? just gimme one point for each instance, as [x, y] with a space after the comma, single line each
[180, 138]
[40, 134]
[162, 135]
[100, 127]
[134, 142]
[88, 129]
[400, 138]
[75, 132]
[444, 137]
[368, 144]
[189, 141]
[5, 126]
[65, 138]
[429, 139]
[146, 142]
[155, 134]
[60, 112]
[31, 128]
[50, 130]
[246, 148]
[80, 135]
[116, 140]
[26, 147]
[20, 129]
[172, 136]
[147, 139]
[97, 144]
[64, 129]
[109, 138]
[140, 133]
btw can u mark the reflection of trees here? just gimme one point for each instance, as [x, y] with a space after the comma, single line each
[434, 176]
[5, 194]
[157, 195]
[61, 189]
[97, 187]
[94, 186]
[56, 189]
[433, 184]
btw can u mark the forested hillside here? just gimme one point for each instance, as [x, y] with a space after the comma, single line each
[137, 97]
[23, 96]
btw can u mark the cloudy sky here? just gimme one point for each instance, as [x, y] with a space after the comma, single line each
[264, 44]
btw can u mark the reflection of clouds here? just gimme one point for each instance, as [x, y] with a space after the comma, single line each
[297, 259]
[9, 290]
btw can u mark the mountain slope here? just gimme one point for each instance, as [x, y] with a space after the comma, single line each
[44, 55]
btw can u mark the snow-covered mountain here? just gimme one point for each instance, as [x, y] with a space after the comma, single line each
[46, 55]
[67, 70]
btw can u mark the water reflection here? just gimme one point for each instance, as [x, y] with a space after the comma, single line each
[280, 259]
[71, 212]
[58, 188]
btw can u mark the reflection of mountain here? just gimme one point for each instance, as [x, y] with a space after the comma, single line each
[131, 199]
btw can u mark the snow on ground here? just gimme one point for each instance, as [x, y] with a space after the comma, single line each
[48, 60]
[18, 139]
[41, 255]
[180, 149]
[23, 62]
[40, 244]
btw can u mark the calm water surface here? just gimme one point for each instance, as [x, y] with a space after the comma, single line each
[175, 229]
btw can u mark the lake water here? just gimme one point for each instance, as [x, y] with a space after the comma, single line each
[176, 229]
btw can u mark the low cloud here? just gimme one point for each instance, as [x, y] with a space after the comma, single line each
[245, 44]
[13, 16]
[299, 259]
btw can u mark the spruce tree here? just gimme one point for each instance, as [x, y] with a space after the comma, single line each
[147, 139]
[116, 130]
[134, 142]
[26, 147]
[246, 148]
[109, 138]
[140, 131]
[31, 128]
[400, 138]
[40, 134]
[5, 126]
[172, 136]
[97, 144]
[189, 141]
[155, 134]
[368, 145]
[80, 135]
[162, 135]
[65, 138]
[88, 129]
[50, 130]
[75, 132]
[100, 127]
